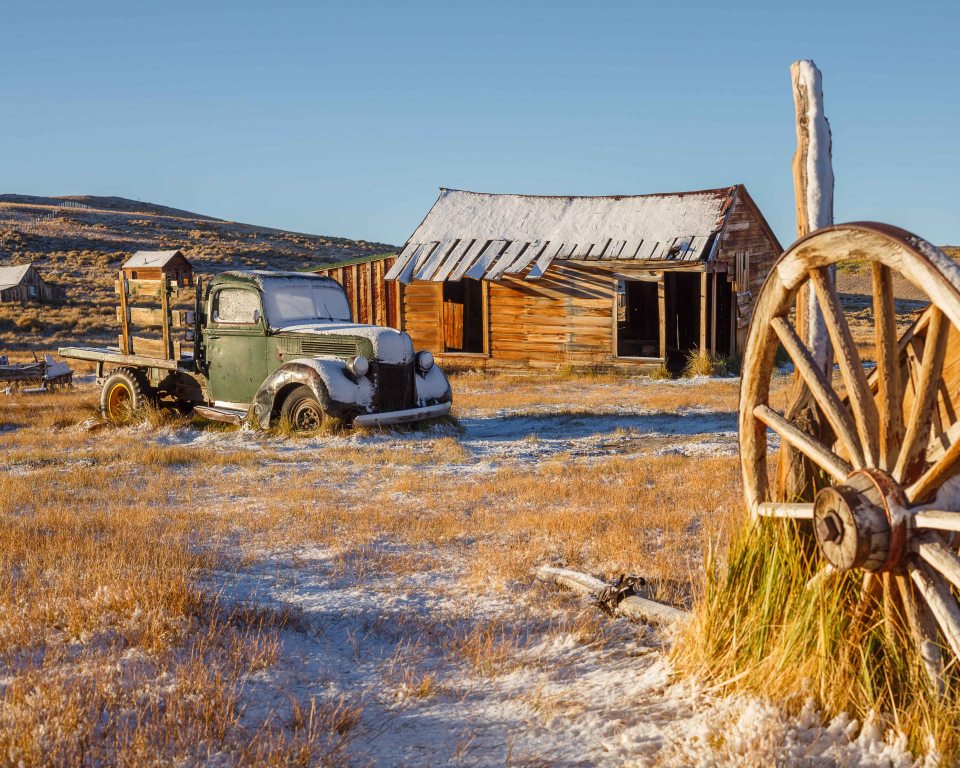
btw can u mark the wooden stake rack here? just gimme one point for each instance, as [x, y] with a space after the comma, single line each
[155, 307]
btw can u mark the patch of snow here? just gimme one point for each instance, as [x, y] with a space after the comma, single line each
[565, 701]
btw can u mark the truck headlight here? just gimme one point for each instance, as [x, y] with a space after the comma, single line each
[359, 366]
[424, 361]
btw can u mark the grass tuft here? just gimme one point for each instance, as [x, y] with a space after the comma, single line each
[704, 364]
[762, 626]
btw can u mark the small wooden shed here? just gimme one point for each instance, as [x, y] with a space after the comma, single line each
[520, 280]
[151, 265]
[23, 284]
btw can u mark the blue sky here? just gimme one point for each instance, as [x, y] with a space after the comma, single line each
[345, 118]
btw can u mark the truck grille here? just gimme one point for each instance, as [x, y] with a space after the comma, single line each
[394, 386]
[320, 345]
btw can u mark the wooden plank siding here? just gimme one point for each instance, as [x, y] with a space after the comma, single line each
[746, 232]
[372, 300]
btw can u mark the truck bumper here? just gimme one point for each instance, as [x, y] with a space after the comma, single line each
[402, 417]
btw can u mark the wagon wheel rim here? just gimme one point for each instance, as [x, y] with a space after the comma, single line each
[307, 417]
[874, 514]
[119, 400]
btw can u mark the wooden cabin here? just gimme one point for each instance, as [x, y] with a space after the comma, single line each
[151, 265]
[23, 284]
[530, 281]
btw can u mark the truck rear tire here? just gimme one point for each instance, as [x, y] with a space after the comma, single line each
[302, 412]
[125, 392]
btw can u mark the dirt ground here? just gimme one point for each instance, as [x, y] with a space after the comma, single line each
[175, 591]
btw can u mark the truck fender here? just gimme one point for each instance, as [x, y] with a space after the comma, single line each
[433, 387]
[336, 392]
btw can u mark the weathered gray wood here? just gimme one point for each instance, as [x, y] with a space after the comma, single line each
[936, 593]
[808, 445]
[813, 188]
[633, 607]
[820, 388]
[937, 519]
[943, 560]
[851, 368]
[794, 510]
[923, 627]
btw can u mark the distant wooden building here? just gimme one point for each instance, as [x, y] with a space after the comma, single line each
[150, 265]
[23, 284]
[519, 280]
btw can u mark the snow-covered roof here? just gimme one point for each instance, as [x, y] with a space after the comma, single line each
[472, 234]
[12, 276]
[150, 259]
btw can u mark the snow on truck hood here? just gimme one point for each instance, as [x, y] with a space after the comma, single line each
[389, 345]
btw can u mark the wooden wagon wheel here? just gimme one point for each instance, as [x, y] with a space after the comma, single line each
[888, 504]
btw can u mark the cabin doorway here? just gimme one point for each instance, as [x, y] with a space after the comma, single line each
[682, 316]
[464, 316]
[638, 319]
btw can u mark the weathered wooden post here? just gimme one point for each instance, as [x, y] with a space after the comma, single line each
[813, 187]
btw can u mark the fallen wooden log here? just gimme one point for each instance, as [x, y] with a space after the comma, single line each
[632, 607]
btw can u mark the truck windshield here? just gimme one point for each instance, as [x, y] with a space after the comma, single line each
[305, 302]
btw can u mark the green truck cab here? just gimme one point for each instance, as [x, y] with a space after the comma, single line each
[271, 346]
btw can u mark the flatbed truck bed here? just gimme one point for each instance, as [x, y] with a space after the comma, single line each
[113, 356]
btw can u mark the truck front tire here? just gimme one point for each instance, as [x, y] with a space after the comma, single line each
[125, 392]
[302, 412]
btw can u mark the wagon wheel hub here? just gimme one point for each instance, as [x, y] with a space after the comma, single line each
[861, 523]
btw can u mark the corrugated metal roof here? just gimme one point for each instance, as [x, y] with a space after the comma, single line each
[478, 235]
[12, 276]
[150, 259]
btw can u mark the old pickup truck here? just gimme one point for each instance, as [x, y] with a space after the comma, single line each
[263, 347]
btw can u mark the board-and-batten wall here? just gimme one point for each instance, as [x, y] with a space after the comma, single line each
[372, 300]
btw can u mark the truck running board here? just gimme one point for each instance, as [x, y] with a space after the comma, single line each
[220, 414]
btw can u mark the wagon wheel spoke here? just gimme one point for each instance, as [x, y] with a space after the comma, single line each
[888, 368]
[938, 556]
[925, 395]
[936, 593]
[871, 593]
[938, 519]
[820, 388]
[941, 471]
[851, 368]
[808, 445]
[784, 509]
[923, 628]
[825, 574]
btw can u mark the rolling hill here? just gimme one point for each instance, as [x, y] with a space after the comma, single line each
[81, 241]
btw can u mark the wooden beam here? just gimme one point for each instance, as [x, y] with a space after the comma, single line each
[703, 313]
[124, 325]
[713, 314]
[165, 323]
[662, 312]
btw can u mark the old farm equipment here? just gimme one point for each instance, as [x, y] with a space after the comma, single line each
[876, 450]
[40, 375]
[886, 454]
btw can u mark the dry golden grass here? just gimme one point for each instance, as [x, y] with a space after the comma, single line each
[113, 646]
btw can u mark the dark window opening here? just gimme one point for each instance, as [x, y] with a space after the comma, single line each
[463, 316]
[638, 319]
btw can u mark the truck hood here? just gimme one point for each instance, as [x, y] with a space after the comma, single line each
[389, 345]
